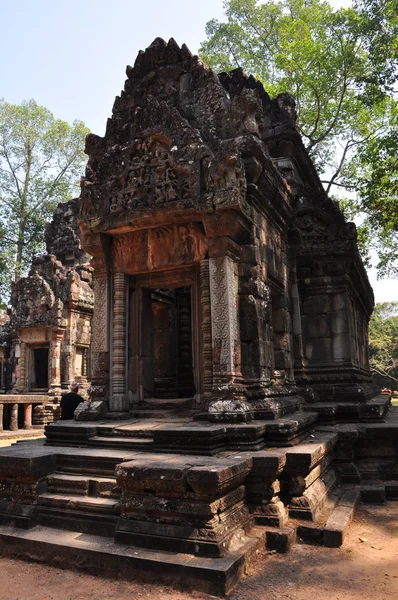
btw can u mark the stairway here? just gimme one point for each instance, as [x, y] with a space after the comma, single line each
[78, 499]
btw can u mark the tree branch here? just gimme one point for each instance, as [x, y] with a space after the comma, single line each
[12, 171]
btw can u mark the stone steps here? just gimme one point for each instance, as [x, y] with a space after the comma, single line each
[99, 554]
[184, 434]
[333, 522]
[378, 492]
[77, 502]
[289, 430]
[300, 475]
[83, 485]
[85, 461]
[72, 512]
[134, 443]
[333, 412]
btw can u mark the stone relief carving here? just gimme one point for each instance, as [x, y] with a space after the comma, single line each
[156, 248]
[99, 324]
[153, 177]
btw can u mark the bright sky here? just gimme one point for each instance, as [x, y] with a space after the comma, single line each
[70, 55]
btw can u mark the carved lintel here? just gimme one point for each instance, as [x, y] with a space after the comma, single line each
[158, 248]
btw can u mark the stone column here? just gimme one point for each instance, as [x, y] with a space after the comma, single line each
[1, 416]
[27, 416]
[55, 363]
[21, 383]
[228, 402]
[224, 318]
[14, 418]
[119, 401]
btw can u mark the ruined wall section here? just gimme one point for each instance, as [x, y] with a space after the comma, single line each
[51, 311]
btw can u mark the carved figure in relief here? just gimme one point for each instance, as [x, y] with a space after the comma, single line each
[153, 177]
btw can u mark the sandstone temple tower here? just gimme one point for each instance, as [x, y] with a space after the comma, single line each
[223, 272]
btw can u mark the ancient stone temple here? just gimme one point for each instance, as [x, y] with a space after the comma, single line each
[231, 405]
[223, 272]
[47, 338]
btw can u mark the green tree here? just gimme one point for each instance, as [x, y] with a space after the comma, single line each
[41, 160]
[378, 24]
[332, 62]
[383, 344]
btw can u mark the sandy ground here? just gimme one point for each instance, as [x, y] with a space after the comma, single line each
[6, 440]
[365, 567]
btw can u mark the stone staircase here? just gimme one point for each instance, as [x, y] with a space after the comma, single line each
[81, 495]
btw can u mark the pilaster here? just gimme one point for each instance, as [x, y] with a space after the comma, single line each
[55, 362]
[206, 330]
[228, 403]
[100, 333]
[119, 401]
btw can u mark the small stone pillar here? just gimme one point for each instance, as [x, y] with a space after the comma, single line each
[21, 383]
[1, 416]
[14, 417]
[119, 401]
[55, 362]
[228, 402]
[27, 424]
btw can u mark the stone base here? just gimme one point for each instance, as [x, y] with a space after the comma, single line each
[91, 411]
[351, 412]
[229, 411]
[151, 502]
[96, 555]
[119, 403]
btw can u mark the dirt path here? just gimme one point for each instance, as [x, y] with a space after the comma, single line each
[360, 569]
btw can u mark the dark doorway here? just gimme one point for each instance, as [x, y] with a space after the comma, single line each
[167, 358]
[40, 368]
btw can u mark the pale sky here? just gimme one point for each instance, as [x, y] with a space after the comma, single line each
[70, 55]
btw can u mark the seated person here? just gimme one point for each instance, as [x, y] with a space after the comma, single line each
[70, 402]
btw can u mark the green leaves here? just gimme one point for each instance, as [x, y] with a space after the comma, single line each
[341, 66]
[383, 344]
[41, 160]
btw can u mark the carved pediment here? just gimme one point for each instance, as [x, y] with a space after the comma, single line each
[154, 176]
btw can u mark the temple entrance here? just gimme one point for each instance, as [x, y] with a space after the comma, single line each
[163, 339]
[167, 343]
[39, 368]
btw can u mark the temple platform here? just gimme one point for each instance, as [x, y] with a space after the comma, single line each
[184, 434]
[112, 496]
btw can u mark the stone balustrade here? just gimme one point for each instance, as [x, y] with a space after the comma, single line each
[10, 413]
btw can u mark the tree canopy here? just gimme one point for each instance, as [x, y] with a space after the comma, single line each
[383, 344]
[341, 66]
[41, 161]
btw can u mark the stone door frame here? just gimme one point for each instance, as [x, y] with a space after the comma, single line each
[175, 278]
